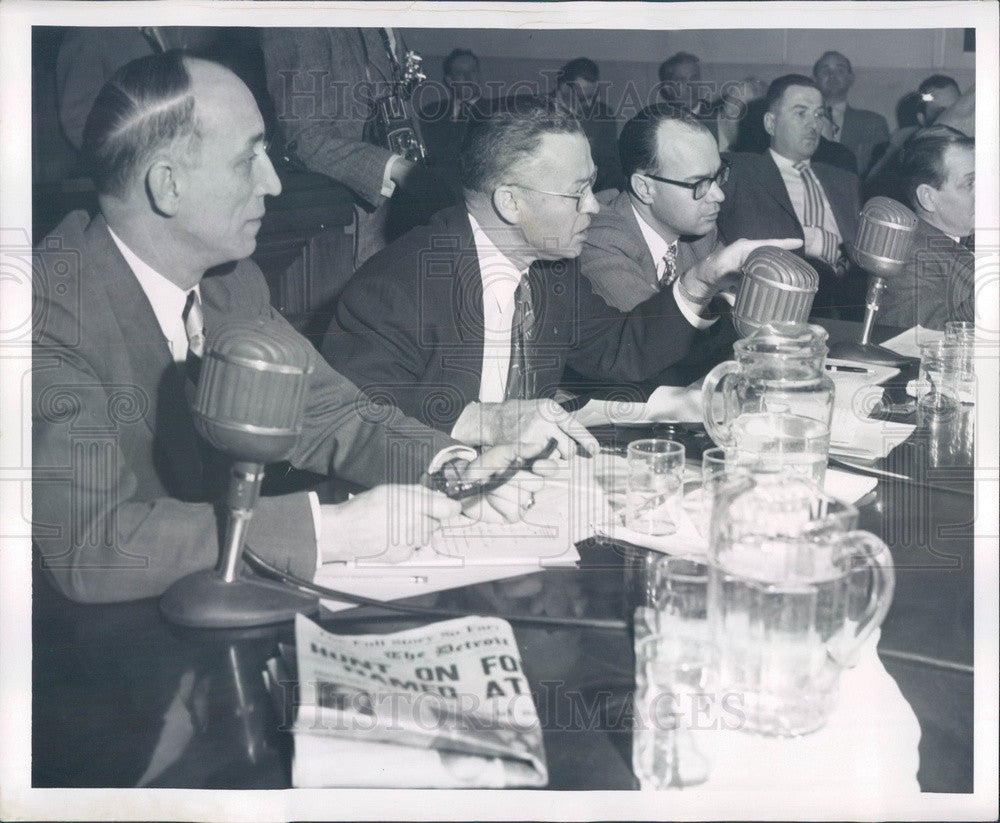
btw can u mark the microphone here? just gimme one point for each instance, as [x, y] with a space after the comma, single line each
[886, 231]
[776, 286]
[249, 405]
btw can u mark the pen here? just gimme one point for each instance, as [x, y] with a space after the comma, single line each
[468, 488]
[851, 369]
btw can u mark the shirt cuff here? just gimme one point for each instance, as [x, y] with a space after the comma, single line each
[314, 507]
[451, 453]
[689, 310]
[388, 186]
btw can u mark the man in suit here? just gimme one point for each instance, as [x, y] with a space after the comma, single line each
[485, 306]
[664, 225]
[858, 129]
[781, 193]
[324, 82]
[577, 89]
[938, 172]
[124, 494]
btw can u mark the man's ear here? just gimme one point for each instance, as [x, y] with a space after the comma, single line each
[641, 188]
[506, 205]
[769, 122]
[926, 197]
[163, 187]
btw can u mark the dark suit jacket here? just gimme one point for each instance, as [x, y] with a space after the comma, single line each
[757, 206]
[617, 262]
[124, 491]
[936, 286]
[863, 130]
[409, 326]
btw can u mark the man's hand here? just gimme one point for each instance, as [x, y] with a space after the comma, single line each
[384, 524]
[510, 500]
[527, 424]
[721, 269]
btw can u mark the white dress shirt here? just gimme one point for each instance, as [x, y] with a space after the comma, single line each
[166, 298]
[796, 193]
[657, 248]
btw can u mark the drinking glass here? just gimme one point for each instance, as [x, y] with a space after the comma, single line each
[655, 479]
[963, 334]
[940, 371]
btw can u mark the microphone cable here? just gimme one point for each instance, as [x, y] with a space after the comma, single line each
[611, 624]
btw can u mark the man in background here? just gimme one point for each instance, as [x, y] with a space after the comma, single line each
[858, 129]
[938, 173]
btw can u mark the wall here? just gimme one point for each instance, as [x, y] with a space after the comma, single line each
[887, 63]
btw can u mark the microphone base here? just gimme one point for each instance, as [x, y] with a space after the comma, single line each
[204, 600]
[868, 353]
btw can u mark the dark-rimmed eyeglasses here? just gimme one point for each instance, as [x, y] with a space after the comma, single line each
[699, 188]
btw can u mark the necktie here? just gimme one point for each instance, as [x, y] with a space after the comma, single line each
[194, 327]
[520, 380]
[814, 213]
[669, 266]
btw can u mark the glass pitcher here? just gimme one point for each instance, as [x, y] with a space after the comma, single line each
[793, 593]
[778, 370]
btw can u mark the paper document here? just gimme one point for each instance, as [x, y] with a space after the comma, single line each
[909, 342]
[667, 404]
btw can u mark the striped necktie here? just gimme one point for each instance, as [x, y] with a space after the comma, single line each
[194, 327]
[520, 380]
[814, 212]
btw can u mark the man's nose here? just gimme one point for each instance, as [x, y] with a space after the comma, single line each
[589, 204]
[267, 181]
[715, 193]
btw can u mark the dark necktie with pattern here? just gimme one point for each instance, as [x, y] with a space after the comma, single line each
[669, 266]
[520, 378]
[194, 327]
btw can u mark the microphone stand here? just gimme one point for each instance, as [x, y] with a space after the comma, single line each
[224, 597]
[865, 351]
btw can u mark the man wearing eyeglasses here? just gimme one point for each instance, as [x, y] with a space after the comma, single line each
[469, 322]
[782, 192]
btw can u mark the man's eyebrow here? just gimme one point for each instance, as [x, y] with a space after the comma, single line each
[254, 140]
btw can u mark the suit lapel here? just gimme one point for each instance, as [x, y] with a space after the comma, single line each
[151, 364]
[775, 186]
[623, 206]
[838, 198]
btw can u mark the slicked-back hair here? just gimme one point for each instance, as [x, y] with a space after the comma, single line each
[779, 86]
[936, 82]
[637, 144]
[826, 54]
[666, 70]
[510, 134]
[581, 68]
[146, 105]
[921, 159]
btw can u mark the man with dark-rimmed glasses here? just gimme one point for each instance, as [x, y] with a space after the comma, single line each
[469, 322]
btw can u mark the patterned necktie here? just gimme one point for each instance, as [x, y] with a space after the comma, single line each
[194, 327]
[814, 213]
[669, 266]
[520, 379]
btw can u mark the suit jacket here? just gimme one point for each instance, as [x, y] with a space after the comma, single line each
[617, 262]
[409, 326]
[862, 131]
[322, 81]
[124, 491]
[936, 286]
[757, 206]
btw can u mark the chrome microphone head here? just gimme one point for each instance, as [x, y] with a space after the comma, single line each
[776, 286]
[885, 237]
[252, 389]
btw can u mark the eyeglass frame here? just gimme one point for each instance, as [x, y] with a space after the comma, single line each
[720, 178]
[588, 189]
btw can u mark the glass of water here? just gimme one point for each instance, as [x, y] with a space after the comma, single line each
[674, 671]
[655, 484]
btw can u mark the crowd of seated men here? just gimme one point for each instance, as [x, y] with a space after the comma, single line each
[486, 271]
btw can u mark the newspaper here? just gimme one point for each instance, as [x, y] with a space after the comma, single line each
[445, 705]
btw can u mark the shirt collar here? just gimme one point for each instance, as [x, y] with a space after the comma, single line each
[784, 164]
[166, 298]
[654, 242]
[499, 274]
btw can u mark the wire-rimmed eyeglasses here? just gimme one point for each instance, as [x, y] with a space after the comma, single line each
[699, 188]
[586, 191]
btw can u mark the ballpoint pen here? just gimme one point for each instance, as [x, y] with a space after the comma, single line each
[851, 369]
